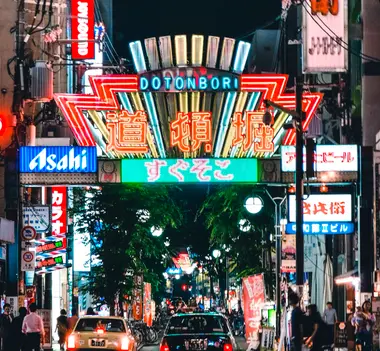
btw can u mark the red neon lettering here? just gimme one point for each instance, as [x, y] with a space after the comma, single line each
[324, 7]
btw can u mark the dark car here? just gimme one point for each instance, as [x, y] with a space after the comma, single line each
[198, 331]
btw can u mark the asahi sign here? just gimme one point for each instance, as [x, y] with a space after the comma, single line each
[83, 30]
[324, 36]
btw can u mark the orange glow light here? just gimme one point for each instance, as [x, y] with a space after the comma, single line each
[127, 132]
[194, 126]
[324, 7]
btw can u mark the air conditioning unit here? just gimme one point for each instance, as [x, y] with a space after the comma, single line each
[41, 82]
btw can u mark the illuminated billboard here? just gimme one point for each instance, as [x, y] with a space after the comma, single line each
[325, 36]
[82, 29]
[328, 158]
[182, 103]
[189, 171]
[58, 159]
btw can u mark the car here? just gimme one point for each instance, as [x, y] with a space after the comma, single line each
[101, 333]
[198, 331]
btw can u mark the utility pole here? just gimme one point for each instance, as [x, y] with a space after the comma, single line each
[298, 119]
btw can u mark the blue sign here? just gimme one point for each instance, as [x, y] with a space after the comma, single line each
[58, 159]
[322, 228]
[174, 271]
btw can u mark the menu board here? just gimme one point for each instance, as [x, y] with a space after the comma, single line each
[340, 335]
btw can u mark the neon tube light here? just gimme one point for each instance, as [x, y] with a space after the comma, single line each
[138, 56]
[241, 56]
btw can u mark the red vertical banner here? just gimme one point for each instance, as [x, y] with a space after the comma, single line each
[147, 304]
[82, 29]
[58, 211]
[253, 299]
[137, 307]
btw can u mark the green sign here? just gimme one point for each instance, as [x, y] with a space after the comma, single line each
[201, 170]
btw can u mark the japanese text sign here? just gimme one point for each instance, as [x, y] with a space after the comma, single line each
[147, 304]
[328, 158]
[189, 171]
[318, 208]
[253, 299]
[128, 133]
[51, 262]
[322, 228]
[325, 30]
[82, 29]
[58, 211]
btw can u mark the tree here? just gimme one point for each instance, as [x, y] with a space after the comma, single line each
[224, 213]
[117, 221]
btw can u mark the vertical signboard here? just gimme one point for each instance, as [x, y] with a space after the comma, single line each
[82, 29]
[148, 304]
[137, 298]
[58, 211]
[324, 36]
[253, 299]
[46, 319]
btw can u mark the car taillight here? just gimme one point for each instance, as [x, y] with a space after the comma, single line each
[71, 342]
[164, 345]
[227, 347]
[125, 344]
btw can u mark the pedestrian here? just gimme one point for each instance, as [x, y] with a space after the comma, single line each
[318, 329]
[72, 321]
[350, 332]
[364, 321]
[90, 312]
[296, 323]
[330, 317]
[5, 328]
[20, 338]
[61, 328]
[33, 327]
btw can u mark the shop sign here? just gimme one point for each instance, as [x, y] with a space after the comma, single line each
[13, 301]
[322, 228]
[189, 132]
[51, 246]
[37, 217]
[288, 254]
[47, 322]
[322, 208]
[253, 299]
[182, 261]
[147, 304]
[58, 211]
[58, 159]
[82, 29]
[180, 79]
[325, 30]
[50, 262]
[109, 171]
[189, 171]
[327, 158]
[267, 339]
[28, 261]
[174, 271]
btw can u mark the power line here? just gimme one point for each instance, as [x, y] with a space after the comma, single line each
[339, 41]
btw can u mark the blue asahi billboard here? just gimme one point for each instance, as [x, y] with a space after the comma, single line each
[58, 159]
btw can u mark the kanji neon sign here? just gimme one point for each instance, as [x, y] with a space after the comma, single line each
[322, 228]
[189, 171]
[324, 7]
[106, 89]
[58, 211]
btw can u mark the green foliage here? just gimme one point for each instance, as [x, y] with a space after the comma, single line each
[121, 238]
[223, 210]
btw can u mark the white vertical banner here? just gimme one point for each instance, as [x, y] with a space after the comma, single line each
[325, 33]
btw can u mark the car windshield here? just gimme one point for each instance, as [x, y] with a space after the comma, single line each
[196, 325]
[107, 324]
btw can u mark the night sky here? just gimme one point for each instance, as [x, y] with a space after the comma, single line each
[140, 19]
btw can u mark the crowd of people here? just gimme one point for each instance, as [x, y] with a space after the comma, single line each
[26, 331]
[313, 331]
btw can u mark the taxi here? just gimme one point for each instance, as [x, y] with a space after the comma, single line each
[101, 333]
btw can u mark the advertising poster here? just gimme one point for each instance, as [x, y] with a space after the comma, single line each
[267, 339]
[46, 318]
[147, 304]
[253, 299]
[137, 307]
[288, 254]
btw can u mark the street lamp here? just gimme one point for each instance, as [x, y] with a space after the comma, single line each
[216, 253]
[253, 204]
[244, 225]
[156, 231]
[143, 215]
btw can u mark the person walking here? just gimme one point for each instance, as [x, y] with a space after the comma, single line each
[33, 327]
[296, 323]
[62, 328]
[330, 317]
[72, 321]
[19, 340]
[318, 329]
[364, 321]
[5, 328]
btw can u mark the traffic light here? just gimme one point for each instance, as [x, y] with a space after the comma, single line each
[184, 287]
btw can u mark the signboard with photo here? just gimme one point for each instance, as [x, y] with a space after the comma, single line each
[46, 318]
[340, 335]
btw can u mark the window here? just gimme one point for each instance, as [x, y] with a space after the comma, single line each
[109, 325]
[197, 324]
